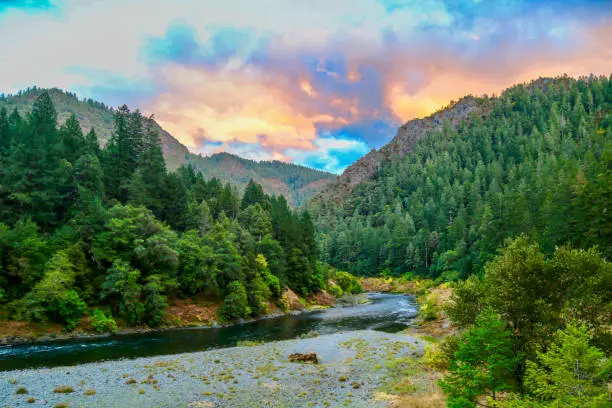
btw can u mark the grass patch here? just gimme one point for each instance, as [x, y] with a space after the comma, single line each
[90, 392]
[310, 335]
[249, 343]
[31, 400]
[63, 389]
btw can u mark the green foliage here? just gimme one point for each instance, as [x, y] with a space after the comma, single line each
[536, 295]
[235, 304]
[121, 287]
[102, 323]
[53, 298]
[347, 282]
[571, 372]
[259, 293]
[335, 290]
[482, 365]
[428, 308]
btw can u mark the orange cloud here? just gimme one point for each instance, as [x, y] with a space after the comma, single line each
[233, 106]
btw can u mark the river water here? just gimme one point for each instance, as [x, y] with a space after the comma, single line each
[386, 312]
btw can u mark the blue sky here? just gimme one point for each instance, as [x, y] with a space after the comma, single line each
[315, 82]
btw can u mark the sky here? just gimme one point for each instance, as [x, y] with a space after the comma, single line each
[315, 82]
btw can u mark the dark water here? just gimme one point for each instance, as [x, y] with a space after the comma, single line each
[389, 313]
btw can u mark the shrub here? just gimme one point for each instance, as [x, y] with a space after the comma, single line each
[428, 309]
[259, 293]
[235, 304]
[335, 290]
[310, 335]
[347, 282]
[435, 358]
[63, 389]
[273, 283]
[21, 390]
[344, 280]
[248, 343]
[101, 323]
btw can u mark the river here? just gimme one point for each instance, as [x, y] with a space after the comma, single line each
[386, 312]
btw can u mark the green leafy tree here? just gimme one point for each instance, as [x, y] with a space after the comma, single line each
[102, 323]
[483, 364]
[235, 304]
[571, 373]
[53, 297]
[122, 289]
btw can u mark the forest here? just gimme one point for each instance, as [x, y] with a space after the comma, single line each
[112, 233]
[539, 162]
[511, 211]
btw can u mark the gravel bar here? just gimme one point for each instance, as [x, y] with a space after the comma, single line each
[352, 368]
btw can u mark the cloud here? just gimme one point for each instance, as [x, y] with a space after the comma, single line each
[280, 79]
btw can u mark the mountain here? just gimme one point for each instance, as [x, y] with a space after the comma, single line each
[94, 114]
[450, 189]
[403, 143]
[296, 183]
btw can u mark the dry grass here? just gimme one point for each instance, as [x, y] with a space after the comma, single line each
[432, 400]
[63, 389]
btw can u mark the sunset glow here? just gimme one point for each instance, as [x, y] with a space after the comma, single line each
[294, 80]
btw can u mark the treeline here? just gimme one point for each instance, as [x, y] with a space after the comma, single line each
[535, 331]
[89, 101]
[539, 162]
[112, 229]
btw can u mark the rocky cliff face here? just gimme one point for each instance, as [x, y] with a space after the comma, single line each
[402, 144]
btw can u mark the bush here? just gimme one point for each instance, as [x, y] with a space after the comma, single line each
[435, 358]
[70, 308]
[273, 283]
[428, 308]
[344, 280]
[335, 290]
[101, 323]
[235, 304]
[347, 282]
[259, 293]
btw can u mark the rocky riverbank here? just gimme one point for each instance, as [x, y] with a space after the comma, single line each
[354, 369]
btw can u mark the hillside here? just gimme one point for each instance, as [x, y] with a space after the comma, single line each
[403, 143]
[451, 188]
[296, 183]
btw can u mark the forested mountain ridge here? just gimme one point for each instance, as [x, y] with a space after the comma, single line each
[536, 160]
[92, 114]
[297, 183]
[404, 141]
[113, 230]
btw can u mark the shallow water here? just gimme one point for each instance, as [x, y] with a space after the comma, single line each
[390, 313]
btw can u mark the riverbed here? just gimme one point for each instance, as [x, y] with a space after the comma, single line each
[353, 367]
[386, 312]
[204, 368]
